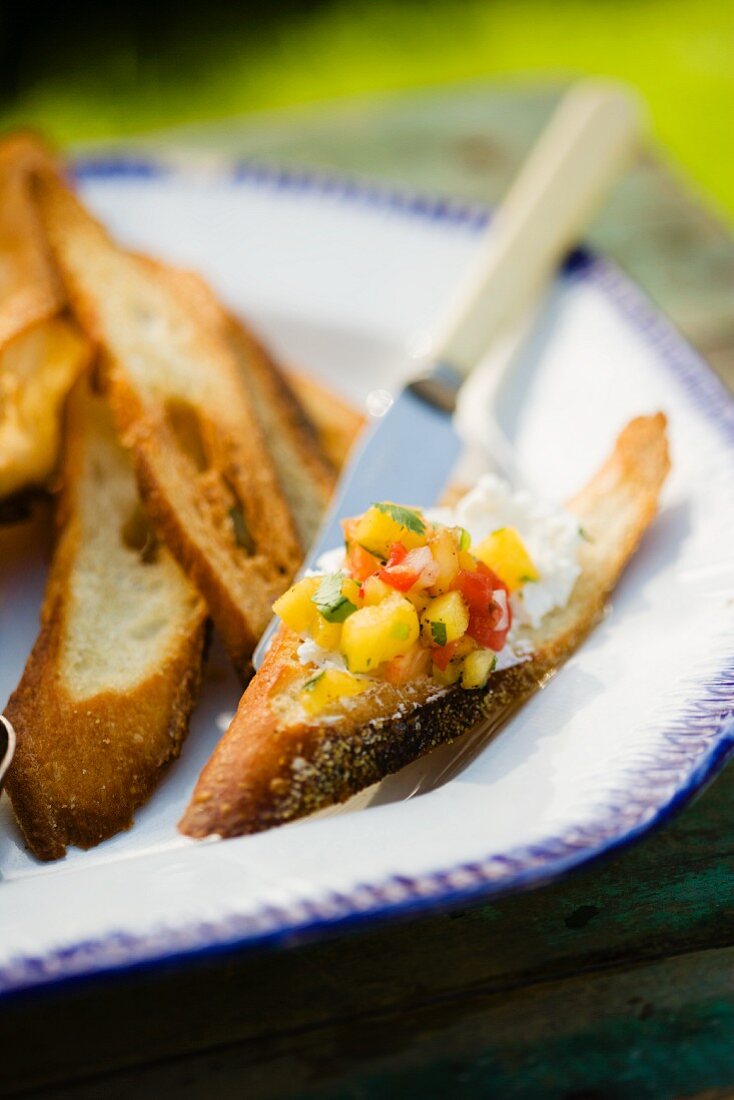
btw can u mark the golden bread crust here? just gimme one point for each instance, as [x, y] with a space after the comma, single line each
[273, 765]
[85, 760]
[81, 770]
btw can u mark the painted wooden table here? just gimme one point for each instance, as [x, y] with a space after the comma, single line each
[618, 982]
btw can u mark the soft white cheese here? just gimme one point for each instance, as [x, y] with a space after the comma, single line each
[312, 655]
[331, 561]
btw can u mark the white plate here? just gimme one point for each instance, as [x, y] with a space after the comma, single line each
[339, 277]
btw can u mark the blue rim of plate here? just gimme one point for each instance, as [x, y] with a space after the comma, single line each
[697, 744]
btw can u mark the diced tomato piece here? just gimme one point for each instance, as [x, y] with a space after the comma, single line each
[398, 572]
[360, 563]
[405, 570]
[482, 631]
[489, 618]
[400, 579]
[487, 572]
[397, 554]
[477, 585]
[443, 654]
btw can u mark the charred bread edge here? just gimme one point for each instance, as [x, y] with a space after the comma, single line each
[331, 767]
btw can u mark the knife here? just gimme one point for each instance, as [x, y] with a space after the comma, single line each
[408, 452]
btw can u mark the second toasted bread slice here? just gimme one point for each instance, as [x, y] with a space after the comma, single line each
[306, 475]
[181, 405]
[105, 697]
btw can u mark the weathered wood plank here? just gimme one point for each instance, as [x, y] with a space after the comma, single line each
[669, 896]
[664, 1028]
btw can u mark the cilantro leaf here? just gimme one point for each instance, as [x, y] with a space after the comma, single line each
[328, 598]
[438, 632]
[406, 517]
[242, 535]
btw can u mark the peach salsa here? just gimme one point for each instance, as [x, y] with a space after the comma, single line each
[443, 593]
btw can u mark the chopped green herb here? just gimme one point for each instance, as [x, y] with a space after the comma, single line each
[585, 534]
[328, 598]
[374, 553]
[400, 631]
[406, 517]
[464, 539]
[242, 536]
[438, 632]
[311, 684]
[525, 579]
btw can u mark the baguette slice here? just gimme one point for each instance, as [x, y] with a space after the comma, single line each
[274, 764]
[181, 406]
[41, 352]
[30, 290]
[305, 474]
[105, 697]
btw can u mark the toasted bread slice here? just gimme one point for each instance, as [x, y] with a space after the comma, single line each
[181, 406]
[305, 474]
[274, 764]
[105, 697]
[30, 290]
[37, 370]
[337, 423]
[41, 354]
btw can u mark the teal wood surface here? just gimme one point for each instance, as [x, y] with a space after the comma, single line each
[616, 982]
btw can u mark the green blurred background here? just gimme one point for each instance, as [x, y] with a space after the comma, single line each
[88, 71]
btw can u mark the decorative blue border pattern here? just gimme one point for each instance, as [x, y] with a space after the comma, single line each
[696, 746]
[331, 185]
